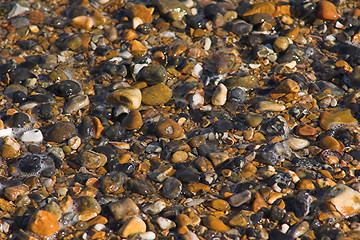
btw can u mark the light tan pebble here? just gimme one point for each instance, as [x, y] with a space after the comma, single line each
[136, 22]
[147, 235]
[342, 201]
[190, 236]
[92, 160]
[281, 44]
[123, 209]
[179, 157]
[83, 22]
[74, 142]
[154, 208]
[298, 143]
[218, 157]
[132, 226]
[289, 86]
[220, 95]
[76, 103]
[335, 118]
[270, 106]
[165, 223]
[43, 224]
[11, 193]
[128, 97]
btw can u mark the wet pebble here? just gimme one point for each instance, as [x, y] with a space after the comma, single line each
[171, 188]
[156, 95]
[60, 132]
[43, 224]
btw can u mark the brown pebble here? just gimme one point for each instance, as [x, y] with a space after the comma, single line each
[179, 157]
[168, 128]
[43, 224]
[83, 22]
[216, 224]
[133, 226]
[327, 10]
[329, 142]
[133, 120]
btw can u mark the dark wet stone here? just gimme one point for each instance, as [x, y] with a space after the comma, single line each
[114, 69]
[282, 180]
[19, 97]
[60, 132]
[276, 213]
[33, 148]
[12, 88]
[7, 67]
[298, 112]
[219, 114]
[260, 18]
[112, 182]
[304, 201]
[19, 120]
[127, 168]
[171, 188]
[145, 28]
[20, 22]
[86, 127]
[276, 126]
[78, 11]
[240, 27]
[101, 50]
[222, 126]
[272, 153]
[292, 54]
[30, 164]
[48, 168]
[276, 234]
[141, 187]
[114, 132]
[335, 90]
[257, 217]
[49, 111]
[188, 175]
[238, 95]
[211, 10]
[109, 151]
[196, 21]
[19, 75]
[246, 186]
[66, 88]
[41, 98]
[207, 148]
[26, 44]
[152, 74]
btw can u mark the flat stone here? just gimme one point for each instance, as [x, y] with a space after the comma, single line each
[132, 226]
[329, 142]
[239, 220]
[165, 223]
[263, 106]
[156, 95]
[264, 7]
[128, 97]
[298, 143]
[237, 200]
[76, 103]
[60, 132]
[33, 135]
[342, 201]
[247, 81]
[168, 128]
[335, 118]
[171, 6]
[43, 224]
[216, 224]
[152, 74]
[220, 204]
[92, 160]
[155, 207]
[123, 209]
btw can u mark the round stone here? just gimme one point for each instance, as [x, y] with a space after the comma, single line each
[60, 132]
[237, 200]
[327, 10]
[67, 88]
[220, 94]
[179, 157]
[298, 143]
[30, 164]
[246, 81]
[128, 97]
[132, 226]
[240, 27]
[152, 74]
[220, 205]
[281, 44]
[329, 142]
[112, 183]
[168, 128]
[49, 111]
[253, 119]
[141, 187]
[123, 209]
[19, 120]
[92, 160]
[133, 120]
[87, 208]
[216, 224]
[83, 22]
[76, 103]
[156, 95]
[171, 188]
[44, 224]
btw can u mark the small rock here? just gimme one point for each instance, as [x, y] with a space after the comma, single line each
[123, 209]
[329, 142]
[298, 143]
[133, 120]
[253, 119]
[128, 97]
[237, 200]
[216, 224]
[154, 208]
[43, 224]
[327, 10]
[272, 153]
[247, 82]
[179, 157]
[83, 22]
[132, 226]
[171, 188]
[87, 208]
[165, 223]
[299, 230]
[141, 187]
[342, 201]
[76, 103]
[156, 95]
[19, 120]
[335, 118]
[263, 106]
[92, 160]
[10, 148]
[60, 132]
[281, 44]
[152, 74]
[220, 94]
[240, 27]
[33, 135]
[220, 205]
[264, 7]
[168, 128]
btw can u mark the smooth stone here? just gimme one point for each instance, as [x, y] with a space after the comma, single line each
[335, 118]
[112, 183]
[179, 157]
[13, 192]
[43, 224]
[289, 86]
[281, 44]
[132, 226]
[239, 199]
[197, 141]
[12, 88]
[299, 229]
[264, 7]
[263, 106]
[123, 209]
[276, 126]
[20, 22]
[272, 153]
[172, 188]
[67, 88]
[183, 220]
[49, 111]
[240, 27]
[171, 6]
[152, 74]
[76, 103]
[144, 13]
[128, 97]
[342, 201]
[19, 120]
[326, 10]
[54, 208]
[190, 236]
[133, 120]
[247, 82]
[253, 119]
[239, 220]
[83, 22]
[60, 132]
[17, 10]
[87, 208]
[156, 95]
[298, 143]
[92, 160]
[216, 224]
[141, 187]
[165, 223]
[220, 95]
[168, 128]
[155, 207]
[30, 164]
[329, 142]
[10, 148]
[220, 204]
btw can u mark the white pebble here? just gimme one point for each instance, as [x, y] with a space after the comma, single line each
[155, 208]
[138, 67]
[125, 55]
[165, 223]
[33, 135]
[197, 71]
[298, 143]
[5, 132]
[147, 235]
[99, 227]
[207, 44]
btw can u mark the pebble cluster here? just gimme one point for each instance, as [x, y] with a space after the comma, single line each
[179, 119]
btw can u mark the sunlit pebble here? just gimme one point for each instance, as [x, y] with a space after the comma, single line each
[99, 227]
[138, 67]
[137, 22]
[197, 71]
[125, 55]
[74, 142]
[6, 132]
[207, 44]
[284, 228]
